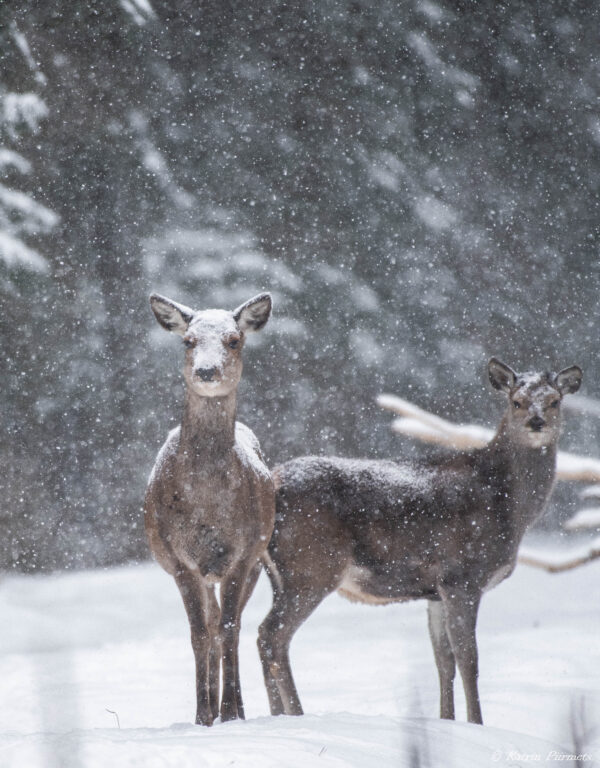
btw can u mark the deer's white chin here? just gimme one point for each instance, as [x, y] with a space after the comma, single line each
[212, 388]
[539, 439]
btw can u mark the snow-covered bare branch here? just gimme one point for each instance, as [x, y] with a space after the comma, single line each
[423, 425]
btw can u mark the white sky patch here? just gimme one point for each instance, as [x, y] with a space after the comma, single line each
[435, 214]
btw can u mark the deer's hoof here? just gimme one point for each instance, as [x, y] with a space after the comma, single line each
[231, 713]
[204, 719]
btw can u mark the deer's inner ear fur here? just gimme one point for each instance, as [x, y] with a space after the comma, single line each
[253, 314]
[171, 315]
[568, 380]
[502, 377]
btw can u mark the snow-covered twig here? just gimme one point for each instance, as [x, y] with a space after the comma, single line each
[559, 563]
[591, 492]
[430, 428]
[585, 518]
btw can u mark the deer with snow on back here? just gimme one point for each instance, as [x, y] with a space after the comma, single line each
[210, 505]
[446, 529]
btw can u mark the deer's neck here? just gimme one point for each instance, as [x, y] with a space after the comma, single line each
[529, 472]
[208, 426]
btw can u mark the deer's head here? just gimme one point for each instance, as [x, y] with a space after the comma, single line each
[533, 415]
[213, 340]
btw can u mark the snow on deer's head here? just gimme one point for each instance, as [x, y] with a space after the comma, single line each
[213, 340]
[533, 415]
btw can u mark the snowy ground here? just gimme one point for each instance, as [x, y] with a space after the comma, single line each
[76, 646]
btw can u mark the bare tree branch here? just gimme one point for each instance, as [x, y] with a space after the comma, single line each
[423, 425]
[584, 518]
[557, 564]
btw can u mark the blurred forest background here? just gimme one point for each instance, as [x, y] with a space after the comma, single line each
[416, 182]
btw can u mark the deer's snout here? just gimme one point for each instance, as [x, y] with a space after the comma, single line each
[536, 423]
[205, 374]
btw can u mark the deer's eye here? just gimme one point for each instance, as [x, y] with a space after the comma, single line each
[189, 343]
[516, 405]
[233, 343]
[554, 404]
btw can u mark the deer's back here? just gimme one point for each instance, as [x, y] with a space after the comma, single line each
[394, 529]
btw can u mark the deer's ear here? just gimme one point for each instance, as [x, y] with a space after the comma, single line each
[171, 315]
[568, 380]
[501, 376]
[254, 313]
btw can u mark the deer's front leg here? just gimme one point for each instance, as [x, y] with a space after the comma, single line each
[444, 657]
[461, 606]
[214, 654]
[195, 600]
[233, 590]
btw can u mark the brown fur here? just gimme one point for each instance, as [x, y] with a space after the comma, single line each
[210, 500]
[382, 531]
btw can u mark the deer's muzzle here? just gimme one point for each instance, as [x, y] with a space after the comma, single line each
[205, 374]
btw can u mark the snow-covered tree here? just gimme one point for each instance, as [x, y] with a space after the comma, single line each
[415, 181]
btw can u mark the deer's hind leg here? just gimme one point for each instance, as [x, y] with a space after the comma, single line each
[444, 656]
[461, 607]
[249, 585]
[291, 607]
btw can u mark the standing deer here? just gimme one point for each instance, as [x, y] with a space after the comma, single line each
[210, 502]
[445, 530]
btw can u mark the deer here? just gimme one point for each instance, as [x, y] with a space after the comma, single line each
[446, 529]
[210, 500]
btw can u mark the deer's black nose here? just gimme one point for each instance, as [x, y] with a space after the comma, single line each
[536, 423]
[206, 374]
